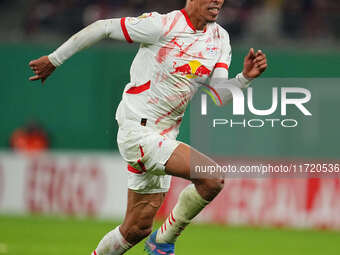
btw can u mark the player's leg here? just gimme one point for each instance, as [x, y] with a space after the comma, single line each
[193, 198]
[140, 212]
[185, 158]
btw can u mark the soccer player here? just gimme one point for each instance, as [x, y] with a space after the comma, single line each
[177, 50]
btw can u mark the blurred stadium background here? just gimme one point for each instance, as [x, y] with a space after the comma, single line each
[62, 182]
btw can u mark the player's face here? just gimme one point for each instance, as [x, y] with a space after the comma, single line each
[209, 9]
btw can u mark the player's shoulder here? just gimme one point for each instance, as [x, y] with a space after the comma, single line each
[223, 32]
[147, 15]
[172, 14]
[163, 20]
[169, 22]
[149, 18]
[155, 14]
[170, 17]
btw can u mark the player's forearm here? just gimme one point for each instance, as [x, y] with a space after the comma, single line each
[85, 38]
[222, 85]
[242, 81]
[239, 81]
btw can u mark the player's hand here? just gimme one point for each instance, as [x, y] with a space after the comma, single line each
[42, 68]
[254, 64]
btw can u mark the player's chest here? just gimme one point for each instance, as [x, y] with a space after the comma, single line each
[195, 56]
[202, 47]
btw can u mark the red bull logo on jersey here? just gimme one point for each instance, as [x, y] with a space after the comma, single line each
[191, 70]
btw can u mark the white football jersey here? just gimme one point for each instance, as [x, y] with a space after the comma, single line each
[173, 56]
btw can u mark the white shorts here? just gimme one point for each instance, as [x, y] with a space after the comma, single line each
[146, 152]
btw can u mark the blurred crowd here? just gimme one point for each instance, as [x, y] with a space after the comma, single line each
[264, 19]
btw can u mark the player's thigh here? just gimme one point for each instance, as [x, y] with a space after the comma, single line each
[183, 159]
[140, 212]
[181, 163]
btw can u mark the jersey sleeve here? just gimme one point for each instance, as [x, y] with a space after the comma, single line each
[220, 82]
[146, 28]
[143, 29]
[221, 69]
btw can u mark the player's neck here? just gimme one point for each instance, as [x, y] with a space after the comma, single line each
[195, 19]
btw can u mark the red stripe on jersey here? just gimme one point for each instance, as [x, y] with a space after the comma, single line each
[222, 65]
[133, 170]
[125, 32]
[139, 89]
[141, 164]
[94, 252]
[170, 221]
[188, 19]
[141, 150]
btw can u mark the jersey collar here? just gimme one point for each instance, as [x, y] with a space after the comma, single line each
[189, 21]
